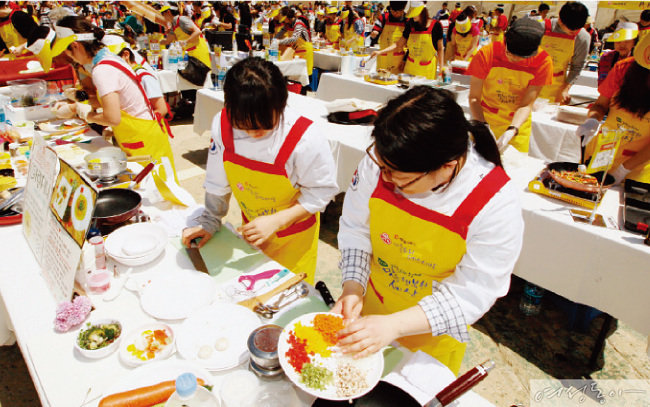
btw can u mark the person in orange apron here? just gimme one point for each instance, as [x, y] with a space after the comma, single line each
[506, 79]
[275, 162]
[498, 25]
[126, 107]
[299, 37]
[464, 38]
[389, 27]
[567, 43]
[424, 39]
[353, 28]
[626, 111]
[16, 27]
[332, 26]
[429, 235]
[183, 29]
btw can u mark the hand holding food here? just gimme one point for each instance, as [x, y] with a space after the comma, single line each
[195, 232]
[64, 110]
[83, 109]
[367, 335]
[70, 93]
[260, 229]
[350, 302]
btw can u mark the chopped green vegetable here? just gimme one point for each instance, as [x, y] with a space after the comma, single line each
[316, 377]
[98, 336]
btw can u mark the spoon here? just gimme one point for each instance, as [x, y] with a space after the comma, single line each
[301, 290]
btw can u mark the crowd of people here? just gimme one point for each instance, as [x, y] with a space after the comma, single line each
[431, 225]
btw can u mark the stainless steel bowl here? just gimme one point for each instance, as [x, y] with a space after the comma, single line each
[263, 346]
[106, 162]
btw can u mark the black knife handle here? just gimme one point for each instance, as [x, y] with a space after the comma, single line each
[325, 293]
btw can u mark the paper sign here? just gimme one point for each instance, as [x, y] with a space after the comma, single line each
[606, 145]
[58, 212]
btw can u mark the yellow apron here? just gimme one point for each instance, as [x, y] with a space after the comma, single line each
[560, 47]
[421, 60]
[304, 49]
[643, 31]
[137, 136]
[633, 141]
[351, 39]
[413, 246]
[463, 44]
[263, 189]
[496, 33]
[200, 50]
[390, 34]
[333, 32]
[12, 38]
[503, 89]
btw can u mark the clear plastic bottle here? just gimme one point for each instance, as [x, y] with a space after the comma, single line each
[531, 299]
[274, 51]
[221, 76]
[189, 394]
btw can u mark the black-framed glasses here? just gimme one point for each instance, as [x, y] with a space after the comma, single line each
[388, 172]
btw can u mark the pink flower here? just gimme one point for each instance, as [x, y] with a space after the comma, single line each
[71, 314]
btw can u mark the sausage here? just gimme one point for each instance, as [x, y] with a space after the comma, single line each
[143, 396]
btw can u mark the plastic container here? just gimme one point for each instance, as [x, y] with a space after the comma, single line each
[189, 394]
[100, 255]
[274, 51]
[99, 282]
[221, 77]
[531, 299]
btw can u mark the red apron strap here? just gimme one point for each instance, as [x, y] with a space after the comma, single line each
[481, 195]
[8, 21]
[379, 296]
[294, 136]
[134, 78]
[226, 133]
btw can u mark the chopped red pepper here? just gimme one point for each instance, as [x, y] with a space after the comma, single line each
[297, 353]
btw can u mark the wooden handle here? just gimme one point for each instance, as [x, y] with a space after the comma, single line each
[137, 158]
[250, 303]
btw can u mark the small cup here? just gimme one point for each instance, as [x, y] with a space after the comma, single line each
[99, 282]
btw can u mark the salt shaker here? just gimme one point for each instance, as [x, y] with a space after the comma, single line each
[100, 257]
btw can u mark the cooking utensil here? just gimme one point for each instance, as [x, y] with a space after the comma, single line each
[298, 291]
[116, 205]
[325, 293]
[250, 303]
[254, 278]
[195, 255]
[109, 161]
[567, 166]
[461, 385]
[15, 196]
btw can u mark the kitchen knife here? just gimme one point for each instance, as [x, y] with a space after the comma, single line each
[195, 255]
[325, 293]
[461, 385]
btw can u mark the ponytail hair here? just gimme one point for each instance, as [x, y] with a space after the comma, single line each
[424, 128]
[81, 25]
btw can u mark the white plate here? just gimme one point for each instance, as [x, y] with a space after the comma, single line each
[155, 373]
[155, 235]
[62, 125]
[62, 196]
[177, 294]
[128, 358]
[206, 326]
[372, 365]
[82, 191]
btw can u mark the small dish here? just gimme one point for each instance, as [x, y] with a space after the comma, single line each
[98, 338]
[148, 343]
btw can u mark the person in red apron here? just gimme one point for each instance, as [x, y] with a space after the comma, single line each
[506, 79]
[424, 39]
[299, 37]
[567, 43]
[389, 27]
[619, 100]
[429, 235]
[276, 163]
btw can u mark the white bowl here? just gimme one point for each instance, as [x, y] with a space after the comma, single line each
[119, 244]
[99, 352]
[136, 335]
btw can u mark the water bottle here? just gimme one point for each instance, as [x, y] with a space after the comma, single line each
[221, 76]
[189, 394]
[186, 60]
[173, 58]
[274, 51]
[531, 299]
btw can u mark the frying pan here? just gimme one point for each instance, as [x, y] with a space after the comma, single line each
[567, 166]
[117, 205]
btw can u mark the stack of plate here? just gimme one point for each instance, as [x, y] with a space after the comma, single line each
[136, 244]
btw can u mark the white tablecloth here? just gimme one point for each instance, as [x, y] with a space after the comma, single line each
[587, 78]
[550, 139]
[295, 69]
[171, 81]
[327, 60]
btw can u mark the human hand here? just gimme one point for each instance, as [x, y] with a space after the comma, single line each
[374, 54]
[367, 335]
[260, 229]
[71, 94]
[195, 232]
[83, 110]
[619, 173]
[350, 302]
[504, 140]
[587, 130]
[564, 97]
[64, 110]
[401, 65]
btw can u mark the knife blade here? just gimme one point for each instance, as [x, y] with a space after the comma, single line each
[196, 258]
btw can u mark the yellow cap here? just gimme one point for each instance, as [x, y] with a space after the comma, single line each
[274, 13]
[331, 10]
[642, 52]
[320, 13]
[65, 36]
[463, 26]
[415, 9]
[164, 8]
[42, 48]
[624, 31]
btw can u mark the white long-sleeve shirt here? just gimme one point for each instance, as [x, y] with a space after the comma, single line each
[493, 242]
[310, 166]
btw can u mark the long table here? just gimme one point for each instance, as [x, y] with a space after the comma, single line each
[550, 140]
[603, 268]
